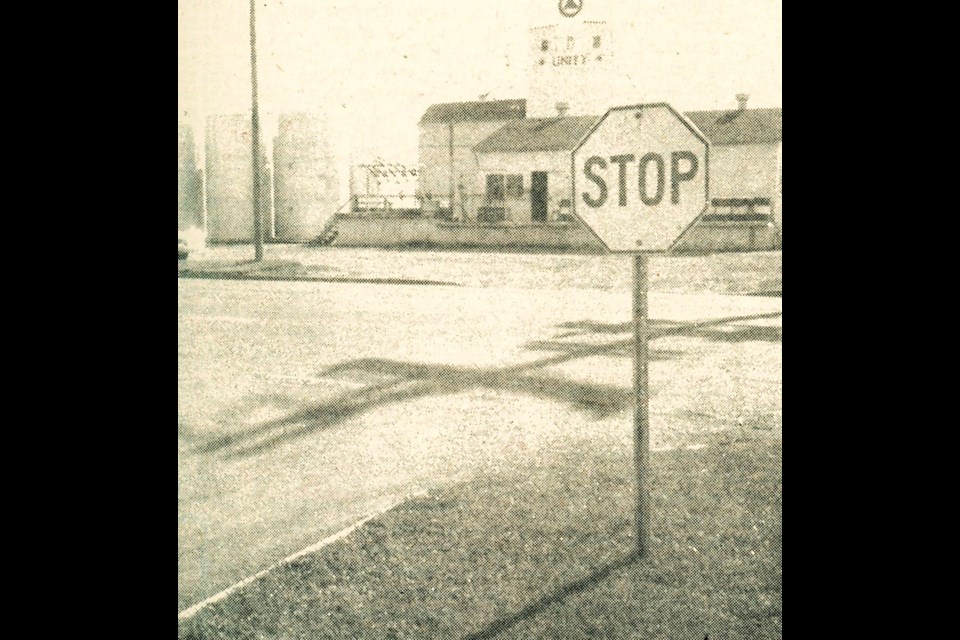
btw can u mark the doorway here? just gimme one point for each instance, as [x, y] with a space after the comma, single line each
[539, 196]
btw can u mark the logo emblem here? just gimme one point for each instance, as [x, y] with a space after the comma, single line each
[570, 8]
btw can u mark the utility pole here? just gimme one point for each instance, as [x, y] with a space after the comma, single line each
[255, 131]
[450, 141]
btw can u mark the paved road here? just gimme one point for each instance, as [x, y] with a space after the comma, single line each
[302, 406]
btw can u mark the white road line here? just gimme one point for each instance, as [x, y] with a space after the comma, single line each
[187, 613]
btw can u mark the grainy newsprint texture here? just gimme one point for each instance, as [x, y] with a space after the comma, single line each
[479, 319]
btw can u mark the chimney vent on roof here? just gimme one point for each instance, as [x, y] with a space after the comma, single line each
[562, 108]
[742, 100]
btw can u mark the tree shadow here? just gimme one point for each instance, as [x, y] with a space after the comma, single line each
[591, 326]
[409, 381]
[500, 625]
[399, 381]
[718, 330]
[617, 349]
[741, 334]
[658, 328]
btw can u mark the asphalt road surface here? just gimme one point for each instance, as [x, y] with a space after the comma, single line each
[302, 406]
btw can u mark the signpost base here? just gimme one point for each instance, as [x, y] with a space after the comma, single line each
[641, 416]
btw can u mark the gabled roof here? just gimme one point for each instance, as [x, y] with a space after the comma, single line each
[740, 126]
[737, 126]
[475, 111]
[537, 134]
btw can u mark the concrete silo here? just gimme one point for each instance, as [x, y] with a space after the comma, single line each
[189, 181]
[229, 175]
[306, 190]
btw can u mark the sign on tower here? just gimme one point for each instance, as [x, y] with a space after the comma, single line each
[570, 8]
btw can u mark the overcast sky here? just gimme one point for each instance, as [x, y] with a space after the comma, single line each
[373, 66]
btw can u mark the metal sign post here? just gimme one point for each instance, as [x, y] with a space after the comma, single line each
[641, 414]
[640, 179]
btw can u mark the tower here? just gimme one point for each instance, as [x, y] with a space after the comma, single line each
[229, 177]
[305, 177]
[570, 67]
[189, 181]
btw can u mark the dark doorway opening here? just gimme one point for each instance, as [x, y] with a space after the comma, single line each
[538, 196]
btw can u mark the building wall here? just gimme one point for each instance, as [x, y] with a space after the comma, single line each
[428, 232]
[434, 159]
[573, 237]
[710, 237]
[744, 171]
[189, 181]
[740, 171]
[557, 166]
[229, 175]
[306, 188]
[736, 171]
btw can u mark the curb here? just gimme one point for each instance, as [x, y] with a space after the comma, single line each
[343, 533]
[240, 276]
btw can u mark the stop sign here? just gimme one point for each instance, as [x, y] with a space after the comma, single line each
[640, 177]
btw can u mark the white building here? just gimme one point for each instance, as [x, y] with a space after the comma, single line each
[447, 135]
[520, 172]
[508, 161]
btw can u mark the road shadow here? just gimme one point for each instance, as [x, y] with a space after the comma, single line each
[742, 334]
[396, 381]
[663, 328]
[500, 625]
[616, 349]
[409, 381]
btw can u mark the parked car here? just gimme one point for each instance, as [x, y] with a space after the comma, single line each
[182, 249]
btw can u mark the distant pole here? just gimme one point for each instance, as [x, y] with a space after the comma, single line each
[450, 126]
[255, 132]
[641, 416]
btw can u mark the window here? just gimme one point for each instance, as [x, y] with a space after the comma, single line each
[501, 187]
[544, 45]
[514, 186]
[495, 187]
[596, 42]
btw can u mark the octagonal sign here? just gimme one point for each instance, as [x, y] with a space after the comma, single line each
[640, 177]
